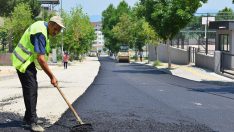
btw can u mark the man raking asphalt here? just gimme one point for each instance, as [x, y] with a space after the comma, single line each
[32, 52]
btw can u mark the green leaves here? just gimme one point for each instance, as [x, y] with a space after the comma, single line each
[122, 26]
[168, 17]
[225, 14]
[7, 6]
[79, 32]
[19, 22]
[123, 30]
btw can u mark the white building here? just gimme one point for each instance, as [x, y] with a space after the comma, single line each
[98, 44]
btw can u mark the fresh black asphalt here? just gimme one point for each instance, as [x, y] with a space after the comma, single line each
[118, 101]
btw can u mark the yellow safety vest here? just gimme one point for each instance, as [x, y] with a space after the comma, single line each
[24, 54]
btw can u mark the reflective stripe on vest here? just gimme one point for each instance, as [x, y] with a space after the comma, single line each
[19, 57]
[24, 50]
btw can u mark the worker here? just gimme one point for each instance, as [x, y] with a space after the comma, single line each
[31, 53]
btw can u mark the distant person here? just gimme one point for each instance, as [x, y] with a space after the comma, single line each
[30, 53]
[65, 60]
[141, 55]
[99, 53]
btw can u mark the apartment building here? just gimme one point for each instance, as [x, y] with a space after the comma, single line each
[98, 43]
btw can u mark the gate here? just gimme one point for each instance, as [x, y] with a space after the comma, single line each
[192, 52]
[227, 63]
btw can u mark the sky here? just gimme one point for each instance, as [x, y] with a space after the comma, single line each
[94, 8]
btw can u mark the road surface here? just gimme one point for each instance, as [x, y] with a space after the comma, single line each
[138, 98]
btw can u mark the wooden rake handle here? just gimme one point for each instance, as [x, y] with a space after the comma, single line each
[70, 106]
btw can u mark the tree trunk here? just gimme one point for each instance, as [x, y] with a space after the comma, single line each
[169, 56]
[178, 42]
[156, 52]
[10, 43]
[182, 42]
[3, 44]
[136, 56]
[3, 47]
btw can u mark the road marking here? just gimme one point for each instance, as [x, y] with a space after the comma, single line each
[198, 104]
[161, 90]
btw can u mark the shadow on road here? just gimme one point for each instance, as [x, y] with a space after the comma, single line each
[140, 68]
[217, 90]
[146, 71]
[220, 83]
[12, 122]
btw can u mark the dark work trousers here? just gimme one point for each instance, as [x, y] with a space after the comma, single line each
[65, 65]
[29, 85]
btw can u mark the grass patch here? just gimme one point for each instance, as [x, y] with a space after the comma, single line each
[157, 63]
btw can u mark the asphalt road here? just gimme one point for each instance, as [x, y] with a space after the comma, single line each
[137, 98]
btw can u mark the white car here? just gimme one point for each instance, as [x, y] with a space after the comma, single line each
[92, 53]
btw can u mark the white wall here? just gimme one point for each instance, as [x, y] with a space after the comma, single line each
[205, 61]
[178, 56]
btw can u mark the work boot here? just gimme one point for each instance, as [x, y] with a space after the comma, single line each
[36, 128]
[40, 121]
[27, 124]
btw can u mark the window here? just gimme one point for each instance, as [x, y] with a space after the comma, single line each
[224, 42]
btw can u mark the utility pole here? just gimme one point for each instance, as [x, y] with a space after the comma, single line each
[62, 29]
[206, 26]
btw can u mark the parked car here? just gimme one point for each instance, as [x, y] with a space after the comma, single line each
[92, 53]
[123, 54]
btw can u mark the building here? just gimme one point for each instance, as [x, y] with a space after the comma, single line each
[49, 4]
[49, 1]
[98, 44]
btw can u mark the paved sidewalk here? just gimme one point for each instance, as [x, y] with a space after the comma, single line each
[73, 81]
[7, 72]
[194, 73]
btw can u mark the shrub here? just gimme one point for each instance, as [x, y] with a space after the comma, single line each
[157, 63]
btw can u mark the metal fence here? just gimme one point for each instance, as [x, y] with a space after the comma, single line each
[197, 33]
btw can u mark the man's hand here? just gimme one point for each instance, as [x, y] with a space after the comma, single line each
[54, 82]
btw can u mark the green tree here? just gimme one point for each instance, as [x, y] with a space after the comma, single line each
[122, 8]
[123, 30]
[3, 39]
[161, 13]
[108, 22]
[143, 34]
[7, 6]
[18, 23]
[195, 23]
[110, 17]
[225, 14]
[135, 32]
[79, 33]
